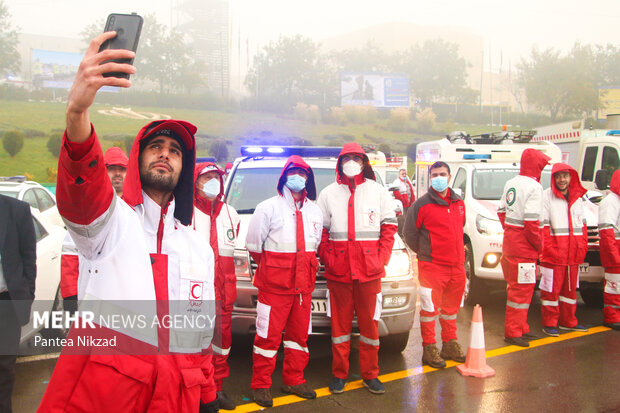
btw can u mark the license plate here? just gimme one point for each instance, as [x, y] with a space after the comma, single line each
[585, 267]
[319, 306]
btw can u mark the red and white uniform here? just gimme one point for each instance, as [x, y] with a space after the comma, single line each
[282, 238]
[219, 223]
[358, 234]
[404, 193]
[609, 232]
[434, 230]
[565, 243]
[520, 211]
[133, 251]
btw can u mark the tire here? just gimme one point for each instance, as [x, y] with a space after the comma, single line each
[473, 285]
[54, 333]
[592, 294]
[394, 343]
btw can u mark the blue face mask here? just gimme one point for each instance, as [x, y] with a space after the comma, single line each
[295, 183]
[439, 183]
[211, 188]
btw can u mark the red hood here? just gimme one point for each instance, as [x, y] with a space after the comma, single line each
[615, 183]
[296, 161]
[575, 189]
[533, 162]
[184, 191]
[353, 148]
[202, 203]
[115, 156]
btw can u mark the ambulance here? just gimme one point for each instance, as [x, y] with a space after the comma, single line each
[480, 166]
[592, 152]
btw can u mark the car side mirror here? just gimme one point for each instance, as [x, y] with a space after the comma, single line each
[602, 179]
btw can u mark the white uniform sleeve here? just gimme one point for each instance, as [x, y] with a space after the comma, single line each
[322, 203]
[545, 219]
[258, 229]
[533, 205]
[388, 215]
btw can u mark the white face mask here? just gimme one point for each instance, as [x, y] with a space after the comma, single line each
[351, 168]
[211, 188]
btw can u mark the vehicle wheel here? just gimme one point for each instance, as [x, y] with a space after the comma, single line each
[394, 343]
[473, 284]
[592, 294]
[54, 333]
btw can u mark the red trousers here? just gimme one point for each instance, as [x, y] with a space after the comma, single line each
[276, 313]
[441, 294]
[222, 340]
[611, 298]
[519, 298]
[560, 304]
[344, 300]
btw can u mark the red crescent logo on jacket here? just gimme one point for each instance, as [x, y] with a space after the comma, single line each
[195, 292]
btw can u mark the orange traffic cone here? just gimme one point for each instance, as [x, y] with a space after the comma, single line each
[476, 363]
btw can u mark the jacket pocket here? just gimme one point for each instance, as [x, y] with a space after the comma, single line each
[374, 264]
[193, 379]
[112, 383]
[278, 271]
[337, 260]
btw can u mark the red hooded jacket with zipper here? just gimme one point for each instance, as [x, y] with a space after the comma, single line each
[609, 227]
[565, 232]
[359, 224]
[274, 237]
[520, 208]
[132, 250]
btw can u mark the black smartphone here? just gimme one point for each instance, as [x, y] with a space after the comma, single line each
[127, 28]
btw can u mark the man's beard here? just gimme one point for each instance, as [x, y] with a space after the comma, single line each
[163, 183]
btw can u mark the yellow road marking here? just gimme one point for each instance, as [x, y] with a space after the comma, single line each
[398, 375]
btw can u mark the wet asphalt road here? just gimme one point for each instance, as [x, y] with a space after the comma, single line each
[575, 373]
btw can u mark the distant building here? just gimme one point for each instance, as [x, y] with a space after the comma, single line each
[205, 23]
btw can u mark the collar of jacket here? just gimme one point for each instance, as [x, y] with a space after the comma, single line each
[441, 201]
[290, 201]
[150, 211]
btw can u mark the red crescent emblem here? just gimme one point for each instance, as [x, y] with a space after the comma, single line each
[194, 296]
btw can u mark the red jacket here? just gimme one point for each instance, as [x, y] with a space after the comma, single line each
[609, 227]
[359, 224]
[565, 232]
[221, 228]
[407, 200]
[283, 236]
[520, 208]
[434, 228]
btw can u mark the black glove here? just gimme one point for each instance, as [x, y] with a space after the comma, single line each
[70, 304]
[212, 407]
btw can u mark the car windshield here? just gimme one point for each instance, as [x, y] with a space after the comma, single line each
[390, 176]
[488, 184]
[12, 194]
[250, 186]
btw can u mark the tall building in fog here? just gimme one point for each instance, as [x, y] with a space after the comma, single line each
[206, 25]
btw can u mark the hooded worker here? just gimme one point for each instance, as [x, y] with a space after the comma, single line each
[359, 224]
[137, 255]
[609, 232]
[565, 243]
[219, 224]
[283, 236]
[520, 211]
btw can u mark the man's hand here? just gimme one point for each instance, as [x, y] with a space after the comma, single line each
[89, 79]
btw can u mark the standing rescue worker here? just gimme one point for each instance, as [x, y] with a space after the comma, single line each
[519, 211]
[358, 234]
[116, 166]
[283, 236]
[609, 232]
[219, 223]
[434, 230]
[565, 243]
[138, 249]
[404, 193]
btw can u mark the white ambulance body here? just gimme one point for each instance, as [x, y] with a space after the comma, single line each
[479, 172]
[594, 153]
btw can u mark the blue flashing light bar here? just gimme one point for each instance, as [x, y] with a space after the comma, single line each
[476, 156]
[286, 151]
[613, 132]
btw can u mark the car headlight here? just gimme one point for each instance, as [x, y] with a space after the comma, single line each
[399, 265]
[486, 226]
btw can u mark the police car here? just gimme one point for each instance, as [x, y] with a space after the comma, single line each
[253, 179]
